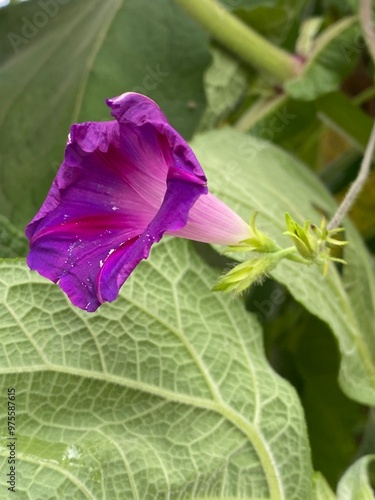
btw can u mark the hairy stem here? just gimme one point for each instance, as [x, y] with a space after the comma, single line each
[357, 185]
[239, 38]
[365, 17]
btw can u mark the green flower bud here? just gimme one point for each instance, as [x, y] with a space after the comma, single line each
[305, 243]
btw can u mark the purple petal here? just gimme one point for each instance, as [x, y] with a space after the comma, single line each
[122, 185]
[139, 115]
[72, 255]
[212, 221]
[171, 216]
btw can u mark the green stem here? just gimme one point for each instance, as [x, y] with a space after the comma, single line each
[284, 252]
[289, 253]
[239, 38]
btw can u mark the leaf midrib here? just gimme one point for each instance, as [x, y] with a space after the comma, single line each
[254, 435]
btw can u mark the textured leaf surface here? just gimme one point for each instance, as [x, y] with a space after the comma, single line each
[355, 484]
[225, 83]
[254, 175]
[165, 393]
[58, 68]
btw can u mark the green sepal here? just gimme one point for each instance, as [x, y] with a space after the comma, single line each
[303, 241]
[258, 242]
[245, 274]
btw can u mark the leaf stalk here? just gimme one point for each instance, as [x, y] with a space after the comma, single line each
[241, 39]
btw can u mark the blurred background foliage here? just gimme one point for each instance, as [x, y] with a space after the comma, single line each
[323, 118]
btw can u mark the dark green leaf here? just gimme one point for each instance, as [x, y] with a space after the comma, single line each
[58, 67]
[13, 243]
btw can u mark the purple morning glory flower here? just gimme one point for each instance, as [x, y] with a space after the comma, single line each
[122, 185]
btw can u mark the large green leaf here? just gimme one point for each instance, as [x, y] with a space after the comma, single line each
[254, 175]
[165, 393]
[58, 68]
[355, 484]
